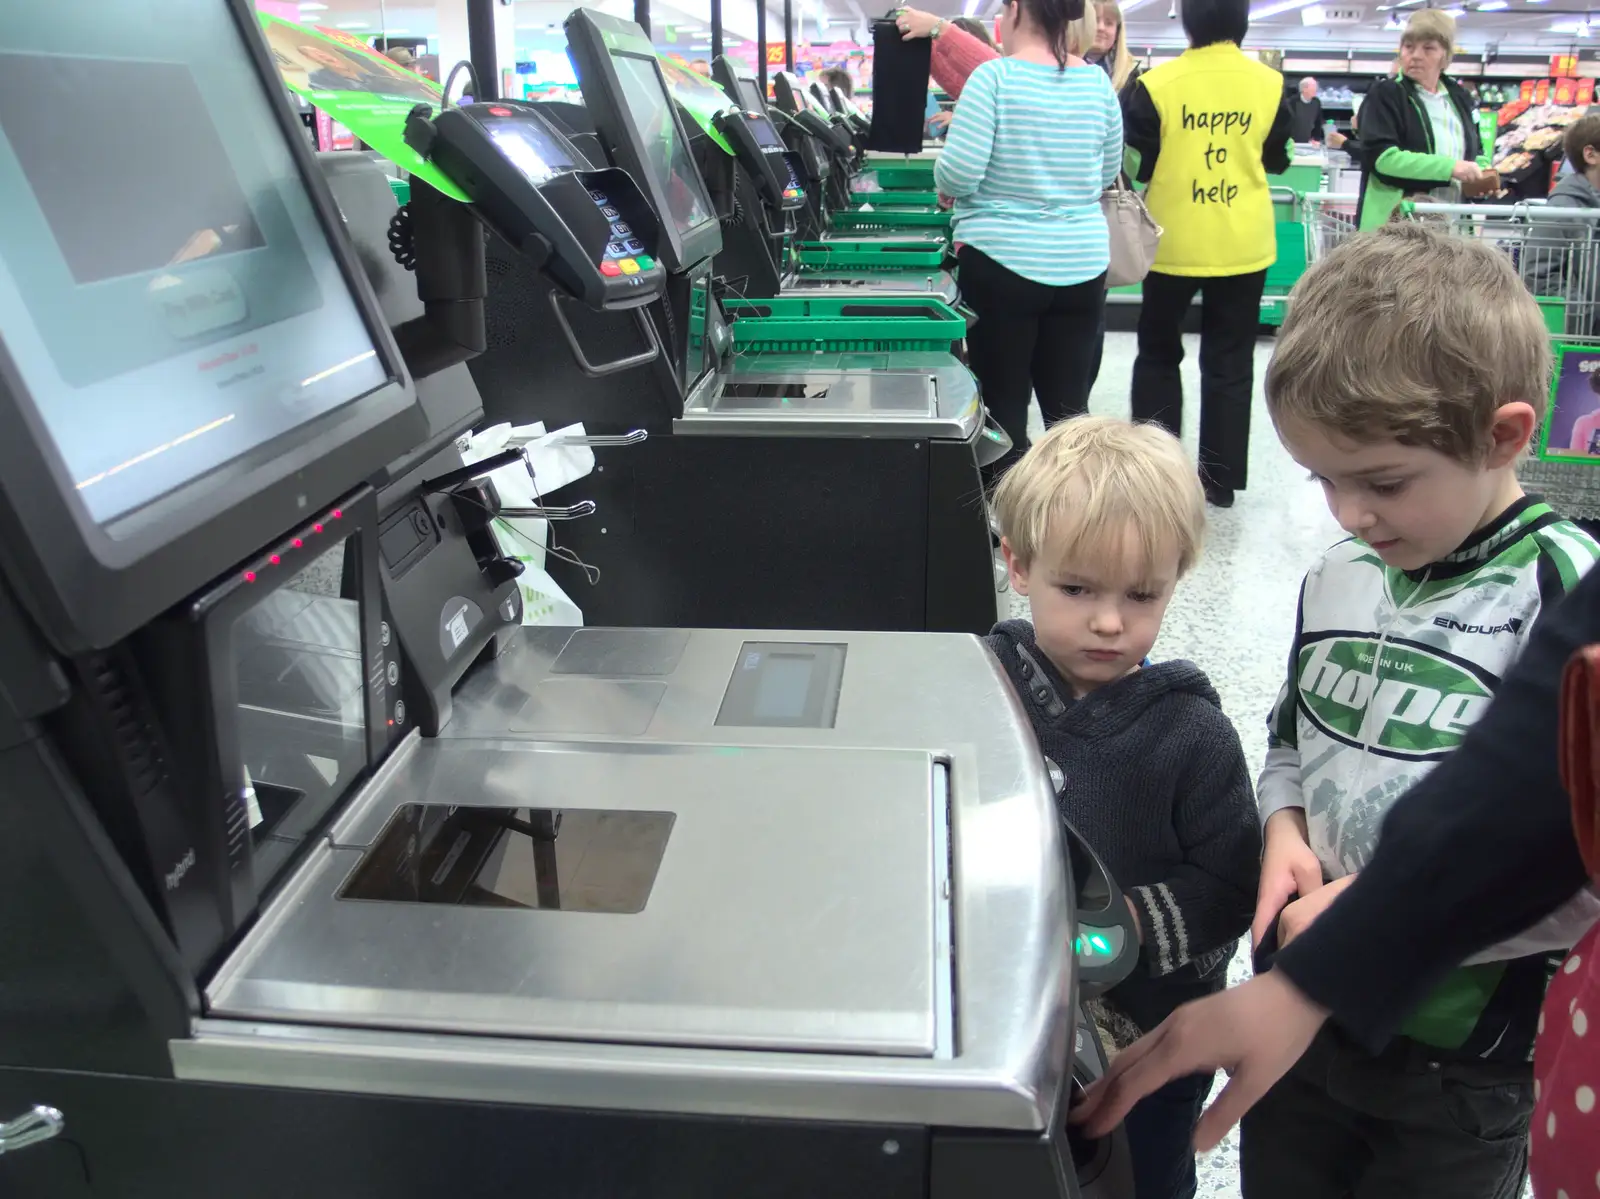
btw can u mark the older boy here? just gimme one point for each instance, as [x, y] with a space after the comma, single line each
[1100, 519]
[1414, 428]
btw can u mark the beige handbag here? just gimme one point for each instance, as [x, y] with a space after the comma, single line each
[1134, 234]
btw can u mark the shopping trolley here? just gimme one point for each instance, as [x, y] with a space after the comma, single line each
[1330, 218]
[1557, 254]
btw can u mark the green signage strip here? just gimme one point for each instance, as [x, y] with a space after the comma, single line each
[359, 88]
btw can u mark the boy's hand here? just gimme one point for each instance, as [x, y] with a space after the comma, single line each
[1288, 867]
[1300, 914]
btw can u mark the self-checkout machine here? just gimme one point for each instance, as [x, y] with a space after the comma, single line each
[775, 478]
[266, 939]
[838, 267]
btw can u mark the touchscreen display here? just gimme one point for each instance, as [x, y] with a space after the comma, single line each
[166, 290]
[750, 94]
[645, 93]
[530, 148]
[766, 135]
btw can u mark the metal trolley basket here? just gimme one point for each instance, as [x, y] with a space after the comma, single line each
[1556, 252]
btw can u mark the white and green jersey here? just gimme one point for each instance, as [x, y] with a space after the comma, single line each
[1390, 669]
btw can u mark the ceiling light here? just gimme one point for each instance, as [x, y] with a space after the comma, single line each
[312, 7]
[1313, 14]
[1581, 28]
[1272, 10]
[1493, 5]
[1457, 12]
[970, 8]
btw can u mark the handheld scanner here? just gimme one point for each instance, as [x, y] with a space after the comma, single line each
[1106, 941]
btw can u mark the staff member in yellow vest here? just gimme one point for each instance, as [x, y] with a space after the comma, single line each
[1420, 131]
[1204, 131]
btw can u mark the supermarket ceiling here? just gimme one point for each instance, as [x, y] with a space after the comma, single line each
[1309, 25]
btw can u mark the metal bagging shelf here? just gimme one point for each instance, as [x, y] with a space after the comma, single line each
[895, 199]
[850, 325]
[869, 255]
[888, 220]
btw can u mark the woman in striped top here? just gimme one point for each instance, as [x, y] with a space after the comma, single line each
[1036, 138]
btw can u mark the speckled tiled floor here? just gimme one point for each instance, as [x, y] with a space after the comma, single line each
[1234, 615]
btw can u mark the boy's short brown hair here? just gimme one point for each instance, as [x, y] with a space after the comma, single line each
[1411, 334]
[1581, 134]
[1094, 488]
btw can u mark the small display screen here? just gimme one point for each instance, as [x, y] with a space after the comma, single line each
[529, 147]
[167, 291]
[750, 95]
[667, 155]
[783, 686]
[779, 684]
[534, 859]
[766, 136]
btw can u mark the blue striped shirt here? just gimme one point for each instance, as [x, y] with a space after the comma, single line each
[1029, 152]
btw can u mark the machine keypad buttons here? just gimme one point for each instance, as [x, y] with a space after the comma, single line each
[629, 266]
[393, 674]
[610, 213]
[621, 229]
[399, 712]
[610, 268]
[384, 635]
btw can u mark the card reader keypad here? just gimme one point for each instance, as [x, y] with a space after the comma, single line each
[624, 253]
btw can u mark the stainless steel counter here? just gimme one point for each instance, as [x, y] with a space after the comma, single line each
[859, 918]
[908, 394]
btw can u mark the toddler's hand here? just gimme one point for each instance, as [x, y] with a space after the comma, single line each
[1288, 867]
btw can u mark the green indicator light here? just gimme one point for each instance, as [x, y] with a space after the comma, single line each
[1099, 943]
[1077, 945]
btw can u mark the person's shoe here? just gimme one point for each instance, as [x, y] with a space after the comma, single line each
[1219, 497]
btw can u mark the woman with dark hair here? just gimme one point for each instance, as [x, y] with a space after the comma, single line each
[1204, 131]
[1036, 138]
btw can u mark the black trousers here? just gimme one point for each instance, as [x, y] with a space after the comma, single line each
[1030, 339]
[1230, 317]
[1160, 1132]
[1343, 1124]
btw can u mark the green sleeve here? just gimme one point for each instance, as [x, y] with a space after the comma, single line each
[1413, 164]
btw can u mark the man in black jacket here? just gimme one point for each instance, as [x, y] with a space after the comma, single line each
[1419, 133]
[1305, 113]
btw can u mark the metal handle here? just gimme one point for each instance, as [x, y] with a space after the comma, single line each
[570, 512]
[599, 440]
[30, 1128]
[606, 368]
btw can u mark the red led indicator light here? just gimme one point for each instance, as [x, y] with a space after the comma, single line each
[249, 576]
[298, 543]
[391, 724]
[337, 513]
[316, 528]
[275, 559]
[500, 112]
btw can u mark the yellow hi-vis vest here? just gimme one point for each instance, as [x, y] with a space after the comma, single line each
[1208, 191]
